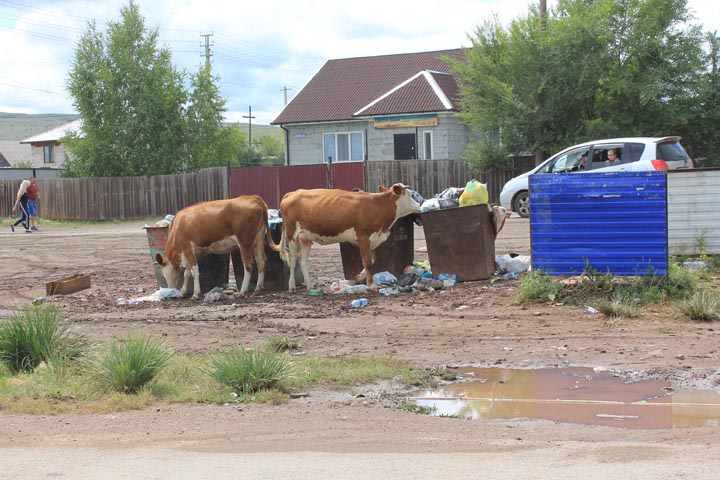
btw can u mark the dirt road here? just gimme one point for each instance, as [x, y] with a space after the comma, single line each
[337, 434]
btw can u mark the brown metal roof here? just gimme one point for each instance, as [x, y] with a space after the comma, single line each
[343, 87]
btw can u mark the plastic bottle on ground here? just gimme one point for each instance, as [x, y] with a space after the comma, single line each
[358, 302]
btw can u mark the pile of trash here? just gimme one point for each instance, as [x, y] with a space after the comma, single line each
[415, 277]
[165, 222]
[474, 193]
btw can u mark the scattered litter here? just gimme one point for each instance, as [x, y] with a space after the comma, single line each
[695, 266]
[160, 294]
[510, 276]
[448, 279]
[385, 279]
[215, 295]
[421, 249]
[358, 303]
[352, 289]
[590, 309]
[38, 300]
[512, 263]
[316, 292]
[389, 291]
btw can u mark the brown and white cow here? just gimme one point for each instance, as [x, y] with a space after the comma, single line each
[333, 216]
[219, 226]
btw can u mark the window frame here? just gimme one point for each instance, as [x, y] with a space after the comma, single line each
[48, 151]
[426, 134]
[355, 138]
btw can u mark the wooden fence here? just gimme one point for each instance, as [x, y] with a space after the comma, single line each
[121, 198]
[126, 198]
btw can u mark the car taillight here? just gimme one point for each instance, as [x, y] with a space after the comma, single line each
[659, 164]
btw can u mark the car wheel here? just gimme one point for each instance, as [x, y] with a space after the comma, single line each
[521, 203]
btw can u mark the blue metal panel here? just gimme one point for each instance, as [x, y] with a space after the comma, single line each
[614, 222]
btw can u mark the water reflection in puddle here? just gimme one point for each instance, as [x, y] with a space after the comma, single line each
[573, 395]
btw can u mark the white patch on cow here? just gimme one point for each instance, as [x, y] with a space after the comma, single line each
[348, 235]
[406, 205]
[221, 246]
[377, 239]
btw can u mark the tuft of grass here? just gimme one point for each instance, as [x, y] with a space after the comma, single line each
[417, 409]
[281, 344]
[702, 306]
[342, 372]
[250, 371]
[38, 334]
[128, 365]
[538, 287]
[617, 307]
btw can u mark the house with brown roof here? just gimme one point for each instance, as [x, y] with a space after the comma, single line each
[388, 107]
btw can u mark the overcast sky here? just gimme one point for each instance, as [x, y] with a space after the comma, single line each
[258, 48]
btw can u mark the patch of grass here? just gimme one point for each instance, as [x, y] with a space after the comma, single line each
[617, 307]
[415, 408]
[38, 334]
[128, 365]
[342, 372]
[281, 344]
[249, 371]
[702, 306]
[536, 287]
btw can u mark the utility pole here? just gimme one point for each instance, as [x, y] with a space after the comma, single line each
[207, 46]
[249, 116]
[285, 90]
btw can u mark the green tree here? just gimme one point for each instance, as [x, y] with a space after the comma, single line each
[138, 118]
[211, 145]
[590, 69]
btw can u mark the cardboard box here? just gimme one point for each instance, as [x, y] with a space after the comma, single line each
[68, 285]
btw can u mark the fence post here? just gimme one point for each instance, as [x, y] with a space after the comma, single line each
[329, 180]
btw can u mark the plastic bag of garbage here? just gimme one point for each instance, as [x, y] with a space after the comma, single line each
[447, 203]
[512, 264]
[430, 204]
[475, 194]
[448, 279]
[451, 193]
[416, 196]
[407, 279]
[353, 289]
[384, 279]
[215, 295]
[425, 283]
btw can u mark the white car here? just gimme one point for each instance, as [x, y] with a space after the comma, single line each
[634, 154]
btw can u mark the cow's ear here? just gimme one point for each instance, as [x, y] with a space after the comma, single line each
[159, 259]
[398, 189]
[382, 188]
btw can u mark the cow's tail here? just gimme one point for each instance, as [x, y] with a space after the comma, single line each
[270, 240]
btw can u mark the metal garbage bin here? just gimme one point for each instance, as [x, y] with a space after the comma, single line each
[461, 240]
[277, 273]
[392, 255]
[214, 268]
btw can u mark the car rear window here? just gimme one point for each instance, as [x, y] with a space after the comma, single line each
[671, 152]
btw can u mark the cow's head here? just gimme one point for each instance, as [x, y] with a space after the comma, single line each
[404, 201]
[499, 216]
[172, 273]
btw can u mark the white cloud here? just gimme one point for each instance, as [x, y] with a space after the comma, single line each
[258, 47]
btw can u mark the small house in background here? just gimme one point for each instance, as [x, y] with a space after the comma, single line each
[47, 150]
[389, 107]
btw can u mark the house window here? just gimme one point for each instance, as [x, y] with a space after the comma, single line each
[427, 145]
[49, 154]
[343, 147]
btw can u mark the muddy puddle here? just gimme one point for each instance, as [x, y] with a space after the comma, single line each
[571, 395]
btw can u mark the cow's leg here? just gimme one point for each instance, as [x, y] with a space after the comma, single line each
[368, 257]
[292, 261]
[260, 259]
[189, 262]
[246, 252]
[361, 277]
[305, 246]
[196, 279]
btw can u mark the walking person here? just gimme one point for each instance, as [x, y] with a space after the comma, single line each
[32, 194]
[22, 199]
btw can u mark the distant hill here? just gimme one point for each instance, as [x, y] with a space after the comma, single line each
[19, 126]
